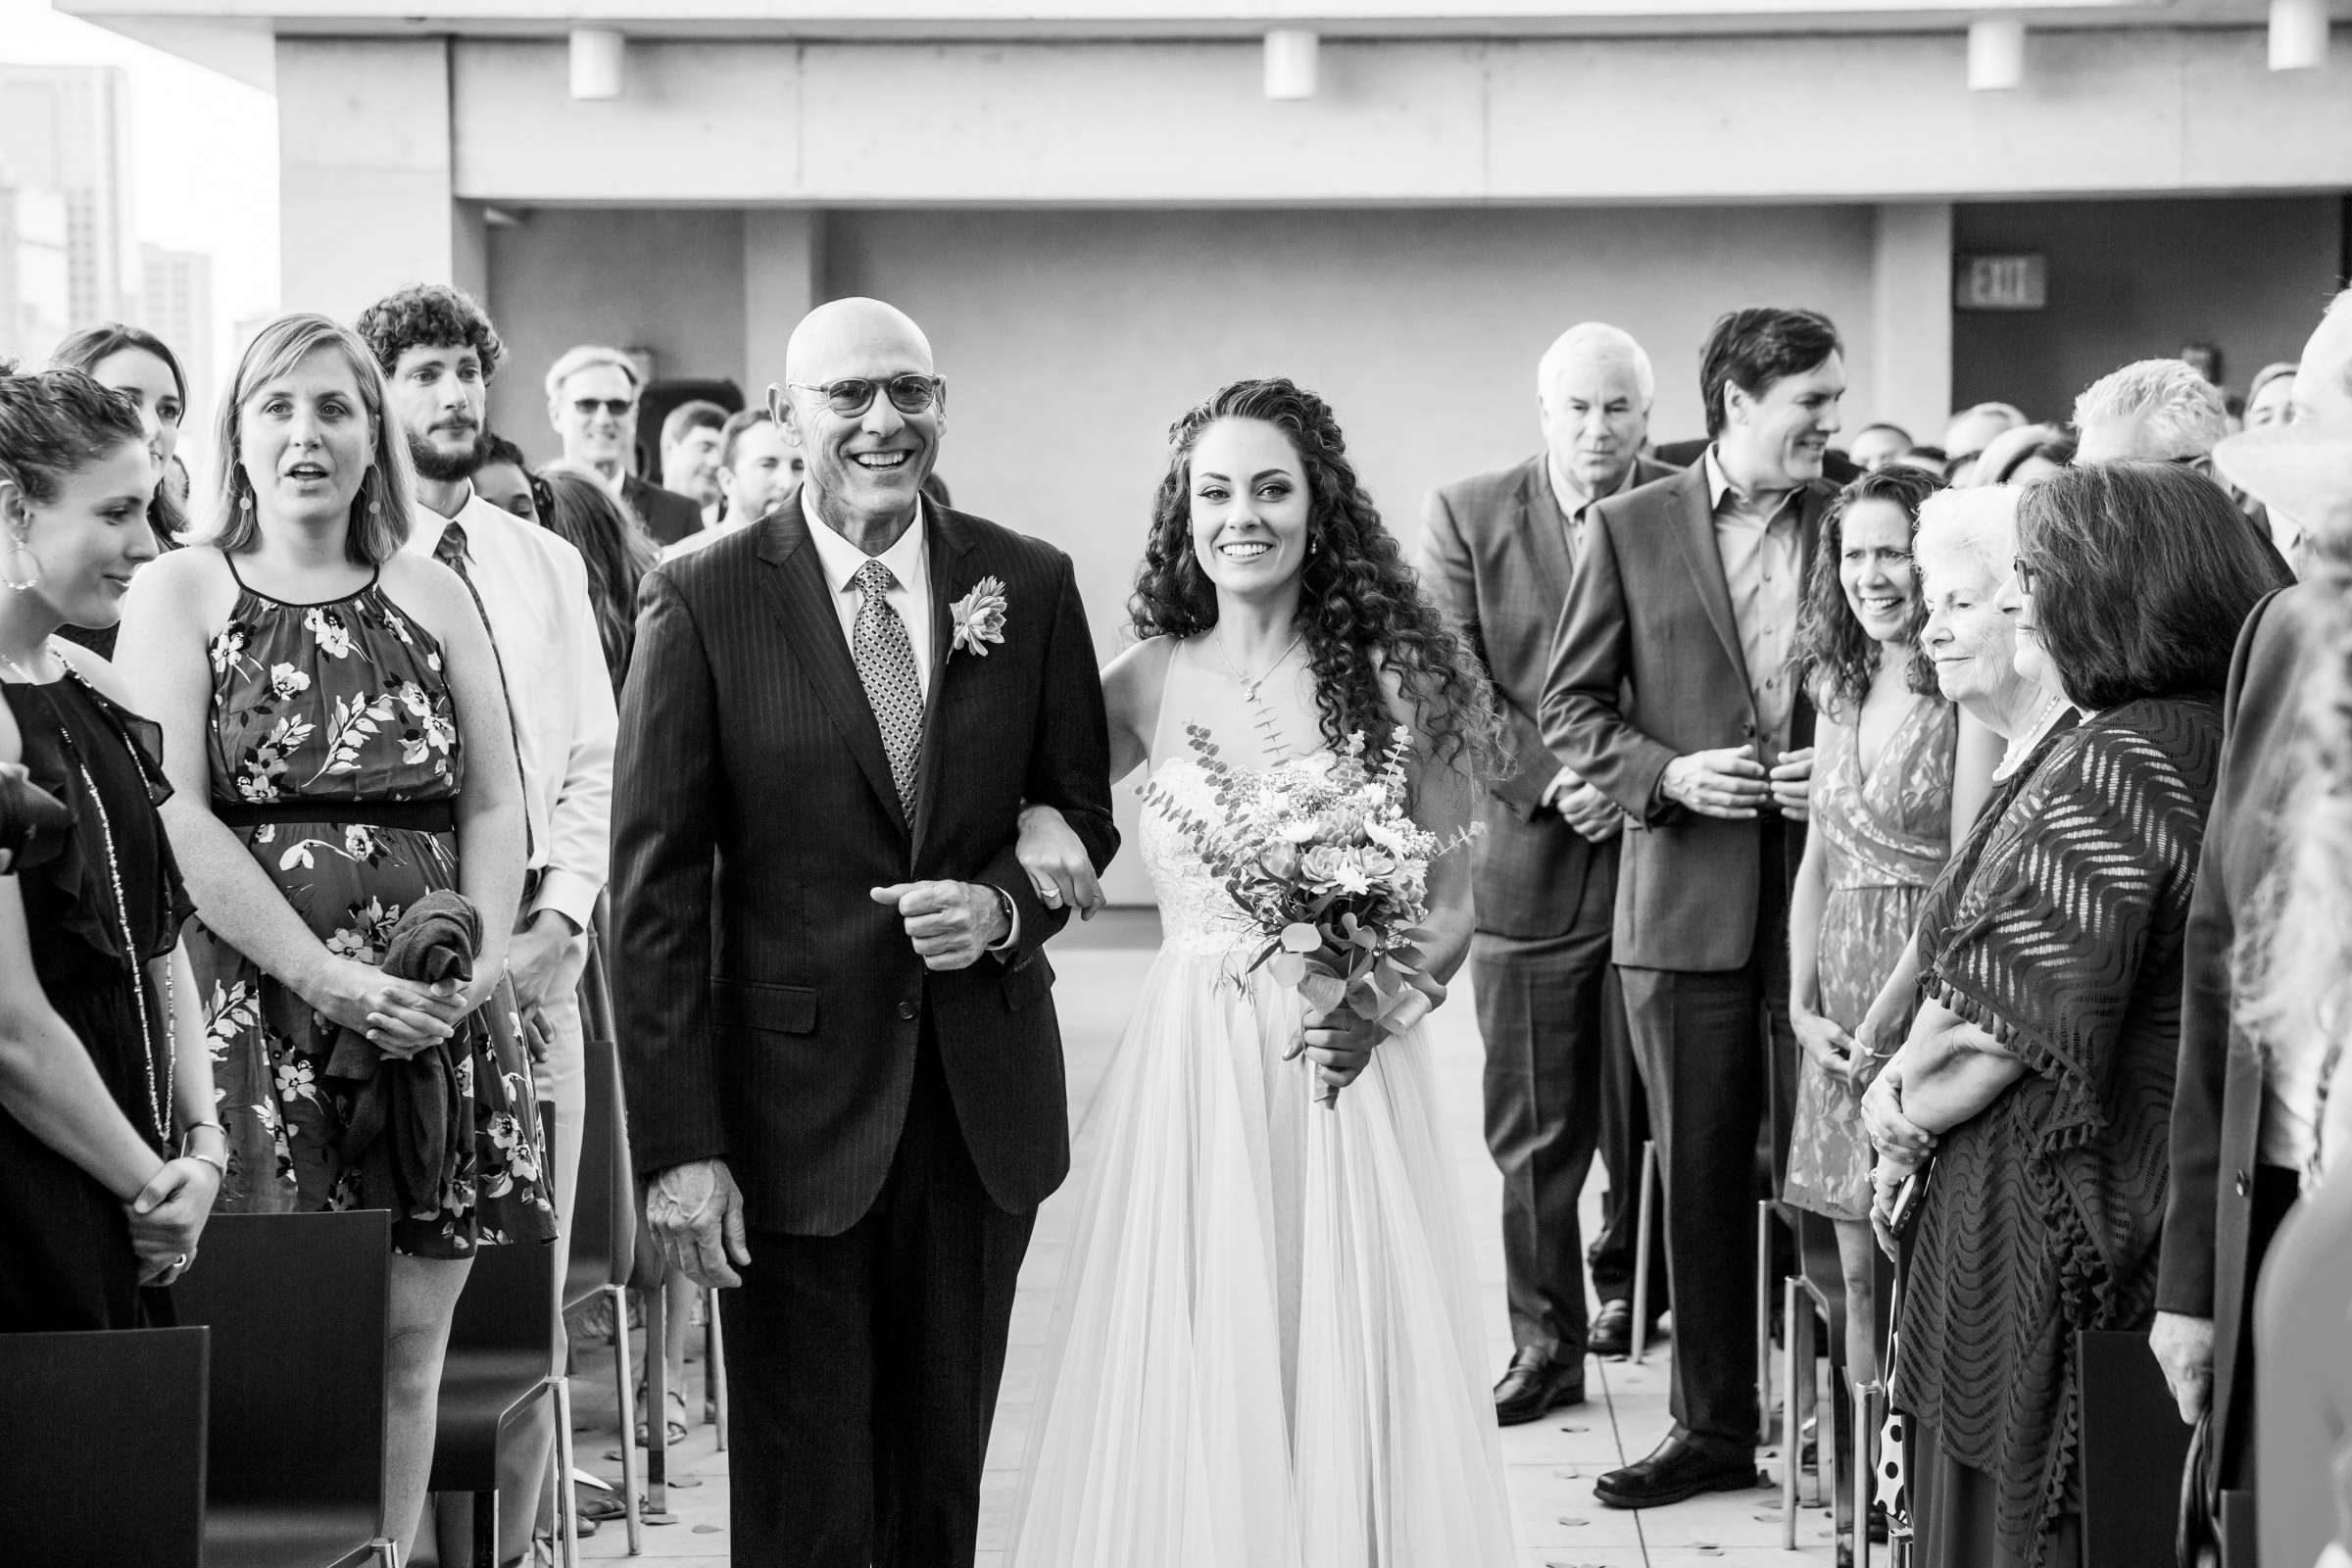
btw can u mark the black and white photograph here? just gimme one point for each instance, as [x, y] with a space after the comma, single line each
[1175, 783]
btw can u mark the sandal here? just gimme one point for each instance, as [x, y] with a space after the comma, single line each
[676, 1425]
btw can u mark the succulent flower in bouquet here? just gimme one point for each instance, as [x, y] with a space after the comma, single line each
[1320, 854]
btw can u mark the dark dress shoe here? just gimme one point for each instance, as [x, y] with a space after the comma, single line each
[1680, 1467]
[1535, 1384]
[1612, 1336]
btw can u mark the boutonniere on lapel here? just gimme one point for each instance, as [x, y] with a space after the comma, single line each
[979, 618]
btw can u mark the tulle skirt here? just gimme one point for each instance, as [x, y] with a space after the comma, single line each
[1265, 1349]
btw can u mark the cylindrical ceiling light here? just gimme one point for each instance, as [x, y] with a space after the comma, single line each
[1290, 63]
[2298, 35]
[597, 56]
[1996, 54]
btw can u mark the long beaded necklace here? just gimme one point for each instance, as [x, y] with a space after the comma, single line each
[159, 1098]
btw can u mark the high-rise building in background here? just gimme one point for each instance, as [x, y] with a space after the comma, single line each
[35, 301]
[177, 308]
[66, 129]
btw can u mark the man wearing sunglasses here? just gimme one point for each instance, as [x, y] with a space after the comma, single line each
[592, 397]
[845, 1076]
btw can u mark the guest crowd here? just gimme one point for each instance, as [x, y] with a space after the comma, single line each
[1951, 843]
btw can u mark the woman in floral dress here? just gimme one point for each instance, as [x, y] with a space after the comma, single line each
[337, 734]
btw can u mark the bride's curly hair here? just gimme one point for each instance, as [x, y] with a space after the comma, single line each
[1361, 612]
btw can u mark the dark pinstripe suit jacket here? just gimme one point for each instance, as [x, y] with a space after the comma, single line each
[769, 1010]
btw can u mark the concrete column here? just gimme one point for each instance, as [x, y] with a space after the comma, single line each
[364, 170]
[1911, 318]
[783, 280]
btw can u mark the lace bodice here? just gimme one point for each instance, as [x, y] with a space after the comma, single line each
[1253, 725]
[1196, 914]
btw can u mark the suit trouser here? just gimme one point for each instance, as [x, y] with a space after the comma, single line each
[1623, 1129]
[865, 1366]
[1713, 1048]
[1551, 1014]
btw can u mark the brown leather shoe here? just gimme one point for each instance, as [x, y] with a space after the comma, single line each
[1535, 1384]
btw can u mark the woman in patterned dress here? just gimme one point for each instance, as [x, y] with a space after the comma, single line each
[335, 728]
[2040, 1070]
[1887, 808]
[102, 1062]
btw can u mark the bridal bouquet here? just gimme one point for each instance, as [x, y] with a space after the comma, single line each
[1318, 852]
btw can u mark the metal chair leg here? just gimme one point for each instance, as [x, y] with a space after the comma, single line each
[657, 1404]
[714, 1367]
[625, 1375]
[1643, 1219]
[1799, 1394]
[567, 1523]
[1791, 1438]
[1866, 1422]
[1764, 1309]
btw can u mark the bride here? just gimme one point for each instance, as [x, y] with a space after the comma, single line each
[1266, 1352]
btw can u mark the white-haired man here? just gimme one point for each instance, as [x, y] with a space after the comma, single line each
[1500, 551]
[592, 395]
[2152, 411]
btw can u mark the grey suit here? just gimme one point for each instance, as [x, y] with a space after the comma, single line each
[1701, 928]
[1496, 554]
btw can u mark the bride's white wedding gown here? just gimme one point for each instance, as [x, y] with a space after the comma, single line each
[1265, 1349]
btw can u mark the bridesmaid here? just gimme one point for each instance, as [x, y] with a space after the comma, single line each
[335, 726]
[1887, 808]
[102, 1069]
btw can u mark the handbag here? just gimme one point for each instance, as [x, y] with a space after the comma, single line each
[2196, 1544]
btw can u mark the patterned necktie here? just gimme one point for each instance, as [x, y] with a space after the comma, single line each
[885, 658]
[451, 552]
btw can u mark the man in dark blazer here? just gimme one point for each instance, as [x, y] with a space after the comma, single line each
[1669, 692]
[592, 397]
[1497, 554]
[667, 515]
[844, 1070]
[2236, 1158]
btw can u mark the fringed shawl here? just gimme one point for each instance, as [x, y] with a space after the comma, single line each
[2057, 930]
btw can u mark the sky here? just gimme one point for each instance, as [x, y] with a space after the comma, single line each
[204, 152]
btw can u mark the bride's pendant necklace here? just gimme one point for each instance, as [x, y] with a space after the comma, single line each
[1250, 684]
[1261, 714]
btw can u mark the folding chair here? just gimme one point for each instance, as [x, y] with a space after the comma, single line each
[106, 1438]
[603, 1242]
[295, 1300]
[502, 1357]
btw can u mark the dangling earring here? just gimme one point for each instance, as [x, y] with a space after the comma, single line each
[8, 578]
[375, 497]
[1313, 544]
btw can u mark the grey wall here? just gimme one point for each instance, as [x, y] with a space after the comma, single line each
[2136, 279]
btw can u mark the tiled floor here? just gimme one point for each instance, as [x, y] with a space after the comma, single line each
[1551, 1462]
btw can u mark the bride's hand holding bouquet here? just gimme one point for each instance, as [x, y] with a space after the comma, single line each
[1321, 856]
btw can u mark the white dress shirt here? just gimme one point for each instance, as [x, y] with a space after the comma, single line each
[1763, 559]
[908, 561]
[535, 587]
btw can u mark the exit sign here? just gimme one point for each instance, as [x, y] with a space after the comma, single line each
[2020, 282]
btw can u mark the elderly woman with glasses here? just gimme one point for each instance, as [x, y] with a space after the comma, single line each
[2040, 1070]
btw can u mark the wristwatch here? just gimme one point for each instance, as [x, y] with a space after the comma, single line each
[1012, 914]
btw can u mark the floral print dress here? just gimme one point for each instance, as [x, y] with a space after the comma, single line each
[335, 758]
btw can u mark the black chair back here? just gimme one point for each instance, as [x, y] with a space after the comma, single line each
[105, 1437]
[502, 1354]
[296, 1301]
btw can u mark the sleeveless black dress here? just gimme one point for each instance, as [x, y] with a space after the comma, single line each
[65, 1259]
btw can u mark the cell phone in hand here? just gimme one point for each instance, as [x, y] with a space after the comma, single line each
[1907, 1200]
